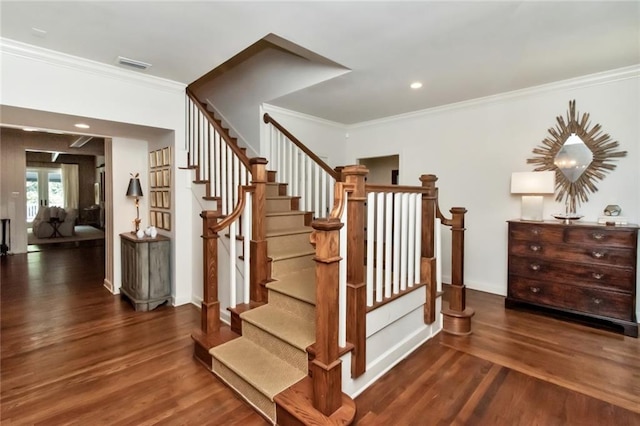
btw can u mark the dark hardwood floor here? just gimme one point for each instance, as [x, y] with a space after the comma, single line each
[71, 353]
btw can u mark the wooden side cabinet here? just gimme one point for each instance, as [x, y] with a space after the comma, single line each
[146, 278]
[583, 269]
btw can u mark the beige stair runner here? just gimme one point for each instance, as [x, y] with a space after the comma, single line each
[271, 354]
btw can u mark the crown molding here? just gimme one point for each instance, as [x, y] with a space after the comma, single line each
[589, 80]
[55, 58]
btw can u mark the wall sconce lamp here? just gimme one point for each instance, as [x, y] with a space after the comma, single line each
[532, 185]
[135, 190]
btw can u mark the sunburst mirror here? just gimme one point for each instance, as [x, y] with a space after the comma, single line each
[579, 154]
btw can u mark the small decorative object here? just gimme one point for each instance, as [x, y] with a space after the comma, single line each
[140, 234]
[612, 210]
[154, 232]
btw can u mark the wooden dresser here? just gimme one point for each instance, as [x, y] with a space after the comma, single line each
[146, 280]
[583, 269]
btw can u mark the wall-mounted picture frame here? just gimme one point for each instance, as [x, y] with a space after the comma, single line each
[159, 220]
[166, 199]
[159, 182]
[152, 196]
[166, 156]
[152, 218]
[158, 197]
[166, 177]
[152, 179]
[166, 221]
[158, 157]
[152, 159]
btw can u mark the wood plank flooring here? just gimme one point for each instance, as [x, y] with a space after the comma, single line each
[72, 353]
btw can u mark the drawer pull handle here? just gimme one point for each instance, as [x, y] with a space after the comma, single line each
[535, 290]
[597, 254]
[598, 236]
[535, 231]
[597, 301]
[534, 267]
[597, 275]
[535, 247]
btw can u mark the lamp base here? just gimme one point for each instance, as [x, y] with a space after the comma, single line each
[532, 208]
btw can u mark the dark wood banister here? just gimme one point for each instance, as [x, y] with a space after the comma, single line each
[395, 188]
[231, 217]
[270, 120]
[223, 133]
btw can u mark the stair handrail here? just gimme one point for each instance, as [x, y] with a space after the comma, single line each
[308, 177]
[270, 120]
[234, 147]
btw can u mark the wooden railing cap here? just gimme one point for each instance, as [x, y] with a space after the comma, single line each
[327, 224]
[356, 169]
[258, 160]
[428, 179]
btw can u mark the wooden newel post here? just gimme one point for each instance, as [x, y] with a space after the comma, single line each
[356, 287]
[457, 318]
[326, 368]
[428, 259]
[210, 313]
[258, 245]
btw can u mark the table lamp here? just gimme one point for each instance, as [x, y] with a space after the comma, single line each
[135, 190]
[532, 185]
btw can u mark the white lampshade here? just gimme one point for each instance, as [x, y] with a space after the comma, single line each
[531, 185]
[533, 182]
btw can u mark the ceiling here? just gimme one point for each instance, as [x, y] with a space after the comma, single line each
[458, 50]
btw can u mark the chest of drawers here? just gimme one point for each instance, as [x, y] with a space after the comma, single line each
[583, 269]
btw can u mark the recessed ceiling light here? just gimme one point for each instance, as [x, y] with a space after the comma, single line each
[134, 63]
[416, 85]
[81, 126]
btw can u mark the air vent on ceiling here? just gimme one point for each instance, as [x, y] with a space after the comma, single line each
[80, 142]
[133, 63]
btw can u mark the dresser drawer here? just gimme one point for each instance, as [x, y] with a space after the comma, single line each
[586, 300]
[601, 236]
[591, 274]
[536, 232]
[610, 256]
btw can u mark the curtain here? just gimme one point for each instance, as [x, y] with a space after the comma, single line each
[70, 185]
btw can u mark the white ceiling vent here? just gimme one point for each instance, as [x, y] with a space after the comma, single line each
[133, 63]
[80, 142]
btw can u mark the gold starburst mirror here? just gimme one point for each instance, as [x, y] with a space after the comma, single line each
[579, 154]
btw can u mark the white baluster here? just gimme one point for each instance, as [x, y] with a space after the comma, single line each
[418, 236]
[323, 192]
[316, 190]
[397, 220]
[411, 229]
[246, 245]
[370, 226]
[388, 217]
[379, 245]
[232, 265]
[403, 242]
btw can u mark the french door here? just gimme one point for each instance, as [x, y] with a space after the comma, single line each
[43, 188]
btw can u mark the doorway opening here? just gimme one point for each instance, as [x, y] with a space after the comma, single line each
[382, 170]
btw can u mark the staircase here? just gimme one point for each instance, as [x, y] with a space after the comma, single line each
[270, 356]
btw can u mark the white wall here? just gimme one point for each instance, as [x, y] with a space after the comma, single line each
[474, 147]
[135, 109]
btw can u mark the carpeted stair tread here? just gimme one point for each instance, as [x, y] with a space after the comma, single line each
[290, 254]
[283, 325]
[290, 231]
[256, 366]
[289, 213]
[299, 285]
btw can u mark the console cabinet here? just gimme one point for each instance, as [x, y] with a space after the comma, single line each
[146, 279]
[583, 269]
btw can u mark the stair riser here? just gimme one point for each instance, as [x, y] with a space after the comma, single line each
[294, 356]
[278, 205]
[286, 266]
[252, 395]
[274, 190]
[289, 243]
[278, 223]
[303, 310]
